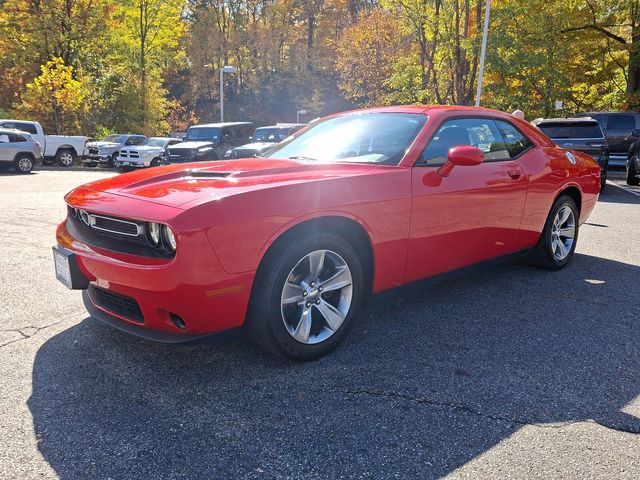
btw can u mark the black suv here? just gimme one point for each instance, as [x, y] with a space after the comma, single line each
[209, 142]
[583, 134]
[622, 129]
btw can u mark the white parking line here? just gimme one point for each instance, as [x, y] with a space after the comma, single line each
[623, 187]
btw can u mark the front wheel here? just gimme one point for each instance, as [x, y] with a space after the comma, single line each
[306, 297]
[632, 172]
[156, 162]
[557, 242]
[112, 160]
[66, 158]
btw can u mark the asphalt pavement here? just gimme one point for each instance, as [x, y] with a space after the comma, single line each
[503, 372]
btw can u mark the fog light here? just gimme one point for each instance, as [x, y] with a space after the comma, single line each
[177, 321]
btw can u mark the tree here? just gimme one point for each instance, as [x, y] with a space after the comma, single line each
[367, 53]
[57, 98]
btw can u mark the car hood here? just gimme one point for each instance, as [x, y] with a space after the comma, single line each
[144, 148]
[256, 146]
[192, 144]
[189, 184]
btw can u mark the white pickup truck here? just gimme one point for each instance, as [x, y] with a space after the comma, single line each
[55, 148]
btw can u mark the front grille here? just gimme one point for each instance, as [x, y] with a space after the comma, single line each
[134, 155]
[124, 154]
[179, 152]
[114, 225]
[113, 302]
[93, 150]
[243, 153]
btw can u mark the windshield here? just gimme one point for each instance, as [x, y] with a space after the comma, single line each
[571, 130]
[270, 134]
[115, 138]
[156, 142]
[202, 133]
[357, 138]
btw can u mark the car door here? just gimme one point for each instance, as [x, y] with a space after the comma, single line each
[8, 149]
[474, 213]
[619, 129]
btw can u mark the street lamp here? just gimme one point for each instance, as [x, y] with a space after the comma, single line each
[223, 70]
[483, 50]
[298, 113]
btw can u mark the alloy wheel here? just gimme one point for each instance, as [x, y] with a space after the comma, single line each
[66, 159]
[563, 232]
[25, 164]
[316, 296]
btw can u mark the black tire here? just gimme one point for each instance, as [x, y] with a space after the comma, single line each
[265, 322]
[542, 254]
[66, 157]
[632, 173]
[156, 162]
[23, 163]
[112, 160]
[48, 161]
[91, 164]
[603, 176]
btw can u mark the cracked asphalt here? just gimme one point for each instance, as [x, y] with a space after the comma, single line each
[504, 372]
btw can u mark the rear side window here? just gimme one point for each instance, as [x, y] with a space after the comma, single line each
[571, 130]
[621, 122]
[515, 142]
[15, 138]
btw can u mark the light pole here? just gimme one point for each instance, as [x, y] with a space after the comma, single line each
[223, 70]
[483, 51]
[298, 113]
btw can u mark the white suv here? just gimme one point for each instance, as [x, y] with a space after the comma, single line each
[18, 150]
[151, 154]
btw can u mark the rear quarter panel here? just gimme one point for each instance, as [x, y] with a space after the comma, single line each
[550, 172]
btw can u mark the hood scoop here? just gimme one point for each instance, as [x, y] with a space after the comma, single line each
[205, 174]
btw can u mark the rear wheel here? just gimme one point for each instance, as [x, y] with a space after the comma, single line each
[66, 158]
[23, 163]
[306, 297]
[632, 171]
[559, 237]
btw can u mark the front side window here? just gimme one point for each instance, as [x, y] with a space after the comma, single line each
[477, 132]
[115, 138]
[15, 138]
[515, 141]
[355, 138]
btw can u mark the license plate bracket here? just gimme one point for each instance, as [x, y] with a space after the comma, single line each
[67, 271]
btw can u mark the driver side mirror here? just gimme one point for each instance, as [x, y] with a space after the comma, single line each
[226, 138]
[128, 142]
[463, 155]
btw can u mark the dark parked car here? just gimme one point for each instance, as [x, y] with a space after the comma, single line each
[263, 139]
[209, 142]
[583, 134]
[622, 129]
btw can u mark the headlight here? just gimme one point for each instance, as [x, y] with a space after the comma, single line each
[148, 155]
[153, 232]
[169, 237]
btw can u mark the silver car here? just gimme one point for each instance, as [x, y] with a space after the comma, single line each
[18, 150]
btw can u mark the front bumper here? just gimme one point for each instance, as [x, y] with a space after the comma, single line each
[92, 158]
[137, 163]
[192, 286]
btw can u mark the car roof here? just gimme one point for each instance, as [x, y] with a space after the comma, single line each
[219, 125]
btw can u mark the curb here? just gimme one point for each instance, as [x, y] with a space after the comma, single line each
[47, 168]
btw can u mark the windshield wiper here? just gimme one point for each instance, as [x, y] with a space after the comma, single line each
[303, 158]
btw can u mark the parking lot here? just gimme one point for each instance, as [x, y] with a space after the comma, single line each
[508, 371]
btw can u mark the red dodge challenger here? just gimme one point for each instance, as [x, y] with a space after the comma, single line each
[292, 244]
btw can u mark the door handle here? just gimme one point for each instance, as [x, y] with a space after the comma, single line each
[515, 174]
